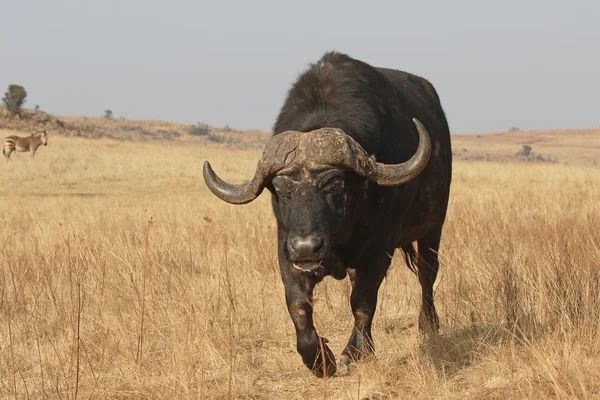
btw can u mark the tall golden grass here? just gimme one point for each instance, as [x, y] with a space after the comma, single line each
[121, 276]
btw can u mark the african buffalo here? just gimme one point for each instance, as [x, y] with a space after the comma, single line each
[359, 165]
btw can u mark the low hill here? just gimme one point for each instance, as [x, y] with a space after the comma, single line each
[565, 146]
[130, 130]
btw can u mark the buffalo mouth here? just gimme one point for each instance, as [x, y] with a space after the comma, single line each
[329, 265]
[308, 266]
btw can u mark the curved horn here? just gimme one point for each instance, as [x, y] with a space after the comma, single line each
[233, 194]
[279, 151]
[396, 174]
[328, 145]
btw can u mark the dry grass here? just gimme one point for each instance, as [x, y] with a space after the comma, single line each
[123, 277]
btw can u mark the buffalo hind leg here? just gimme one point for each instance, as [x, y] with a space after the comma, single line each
[363, 300]
[299, 298]
[428, 266]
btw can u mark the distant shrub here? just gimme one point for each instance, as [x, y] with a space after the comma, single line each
[168, 133]
[137, 129]
[37, 107]
[108, 114]
[199, 130]
[528, 153]
[514, 129]
[525, 151]
[227, 128]
[541, 158]
[14, 98]
[216, 139]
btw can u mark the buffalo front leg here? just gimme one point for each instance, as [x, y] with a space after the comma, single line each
[363, 300]
[299, 298]
[428, 266]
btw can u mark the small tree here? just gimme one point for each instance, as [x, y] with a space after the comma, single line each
[514, 129]
[14, 98]
[199, 130]
[525, 151]
[108, 114]
[37, 107]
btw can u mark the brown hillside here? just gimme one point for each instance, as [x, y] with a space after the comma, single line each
[565, 146]
[129, 130]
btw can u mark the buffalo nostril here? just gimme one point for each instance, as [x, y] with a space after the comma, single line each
[318, 244]
[306, 248]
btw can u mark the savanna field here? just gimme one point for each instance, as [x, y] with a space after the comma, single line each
[122, 276]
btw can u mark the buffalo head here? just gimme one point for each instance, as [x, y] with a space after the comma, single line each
[315, 178]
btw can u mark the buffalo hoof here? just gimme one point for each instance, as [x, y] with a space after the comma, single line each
[346, 360]
[349, 361]
[429, 323]
[347, 364]
[321, 364]
[329, 367]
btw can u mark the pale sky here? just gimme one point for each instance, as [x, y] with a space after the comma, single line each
[531, 64]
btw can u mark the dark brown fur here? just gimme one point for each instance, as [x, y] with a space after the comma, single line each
[338, 211]
[374, 106]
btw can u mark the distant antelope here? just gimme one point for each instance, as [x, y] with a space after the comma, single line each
[20, 144]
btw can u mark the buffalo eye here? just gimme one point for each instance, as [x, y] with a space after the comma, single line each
[282, 187]
[333, 182]
[335, 187]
